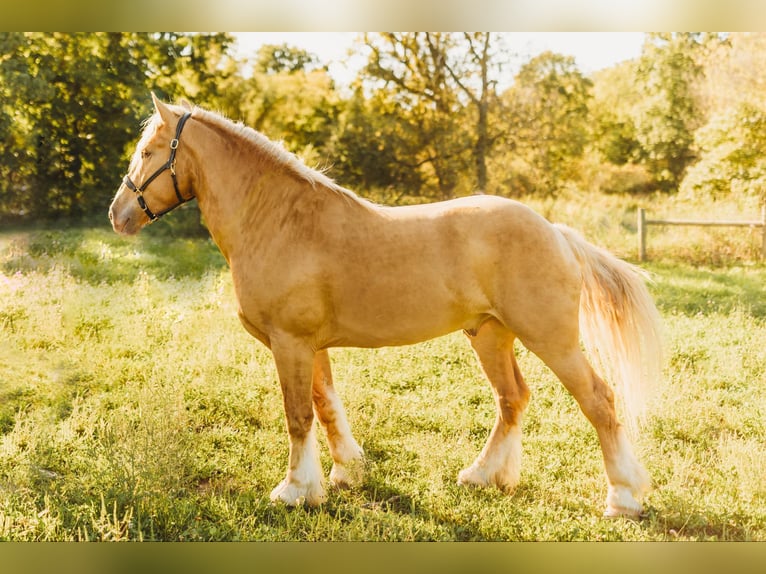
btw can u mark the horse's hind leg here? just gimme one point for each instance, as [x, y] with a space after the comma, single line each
[626, 478]
[500, 461]
[346, 453]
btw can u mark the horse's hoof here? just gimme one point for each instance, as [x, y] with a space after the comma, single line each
[291, 494]
[349, 474]
[472, 476]
[620, 503]
[629, 513]
[477, 476]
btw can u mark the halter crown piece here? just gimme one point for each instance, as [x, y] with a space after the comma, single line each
[171, 165]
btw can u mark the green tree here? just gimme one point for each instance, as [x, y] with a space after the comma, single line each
[15, 169]
[283, 58]
[69, 95]
[732, 148]
[442, 84]
[194, 66]
[669, 113]
[72, 104]
[615, 95]
[547, 115]
[375, 149]
[290, 98]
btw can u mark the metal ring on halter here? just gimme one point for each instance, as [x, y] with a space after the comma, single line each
[168, 165]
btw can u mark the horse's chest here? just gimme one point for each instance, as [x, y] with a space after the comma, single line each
[281, 302]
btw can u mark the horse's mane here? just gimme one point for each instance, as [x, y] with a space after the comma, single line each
[273, 150]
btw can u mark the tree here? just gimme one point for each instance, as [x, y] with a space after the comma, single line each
[615, 95]
[376, 150]
[548, 121]
[70, 96]
[443, 85]
[669, 112]
[198, 67]
[283, 58]
[289, 98]
[72, 103]
[732, 147]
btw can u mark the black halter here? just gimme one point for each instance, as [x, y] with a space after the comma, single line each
[171, 165]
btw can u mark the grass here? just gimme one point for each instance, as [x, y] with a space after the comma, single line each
[133, 406]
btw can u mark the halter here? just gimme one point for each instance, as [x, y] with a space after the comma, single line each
[171, 165]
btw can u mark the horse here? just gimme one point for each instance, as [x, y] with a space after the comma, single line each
[315, 266]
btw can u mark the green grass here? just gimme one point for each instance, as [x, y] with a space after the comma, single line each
[133, 406]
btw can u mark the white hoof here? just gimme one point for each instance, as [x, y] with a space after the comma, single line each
[499, 463]
[349, 474]
[620, 503]
[479, 475]
[472, 476]
[293, 494]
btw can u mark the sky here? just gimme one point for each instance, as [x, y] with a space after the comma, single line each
[592, 51]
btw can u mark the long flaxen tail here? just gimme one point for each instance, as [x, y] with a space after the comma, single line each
[619, 324]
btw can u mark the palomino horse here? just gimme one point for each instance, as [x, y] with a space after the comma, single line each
[314, 266]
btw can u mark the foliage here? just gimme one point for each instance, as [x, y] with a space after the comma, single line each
[730, 144]
[431, 116]
[300, 108]
[56, 146]
[548, 120]
[376, 150]
[441, 83]
[283, 58]
[615, 95]
[624, 178]
[72, 104]
[668, 114]
[732, 148]
[412, 71]
[732, 65]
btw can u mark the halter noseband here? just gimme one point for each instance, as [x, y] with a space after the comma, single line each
[171, 165]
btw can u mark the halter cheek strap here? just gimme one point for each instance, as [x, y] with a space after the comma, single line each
[168, 165]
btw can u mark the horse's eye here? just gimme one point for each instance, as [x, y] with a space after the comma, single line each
[146, 154]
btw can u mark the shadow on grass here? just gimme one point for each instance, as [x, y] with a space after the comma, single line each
[691, 291]
[680, 520]
[97, 255]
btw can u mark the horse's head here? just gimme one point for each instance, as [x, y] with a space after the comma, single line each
[152, 187]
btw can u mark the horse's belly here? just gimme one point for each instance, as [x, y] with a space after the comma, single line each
[393, 334]
[405, 318]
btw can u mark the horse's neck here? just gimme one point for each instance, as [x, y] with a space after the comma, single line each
[246, 198]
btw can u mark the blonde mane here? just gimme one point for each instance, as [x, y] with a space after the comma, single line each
[273, 150]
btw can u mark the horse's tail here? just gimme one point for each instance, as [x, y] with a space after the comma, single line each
[619, 323]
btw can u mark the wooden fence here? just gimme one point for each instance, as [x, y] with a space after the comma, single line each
[643, 223]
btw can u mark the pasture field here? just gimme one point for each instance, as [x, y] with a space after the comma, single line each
[133, 406]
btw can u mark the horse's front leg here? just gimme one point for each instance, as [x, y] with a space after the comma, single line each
[294, 360]
[347, 455]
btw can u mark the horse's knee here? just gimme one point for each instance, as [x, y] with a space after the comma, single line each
[299, 422]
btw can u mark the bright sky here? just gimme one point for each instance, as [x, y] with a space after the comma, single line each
[592, 50]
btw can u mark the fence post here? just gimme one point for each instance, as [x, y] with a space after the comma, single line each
[642, 234]
[763, 232]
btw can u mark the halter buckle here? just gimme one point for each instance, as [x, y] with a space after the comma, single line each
[174, 143]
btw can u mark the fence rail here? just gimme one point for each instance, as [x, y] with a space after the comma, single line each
[643, 222]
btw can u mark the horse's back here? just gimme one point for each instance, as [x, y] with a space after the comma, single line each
[501, 229]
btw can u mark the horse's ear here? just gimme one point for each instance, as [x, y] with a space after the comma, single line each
[185, 104]
[165, 112]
